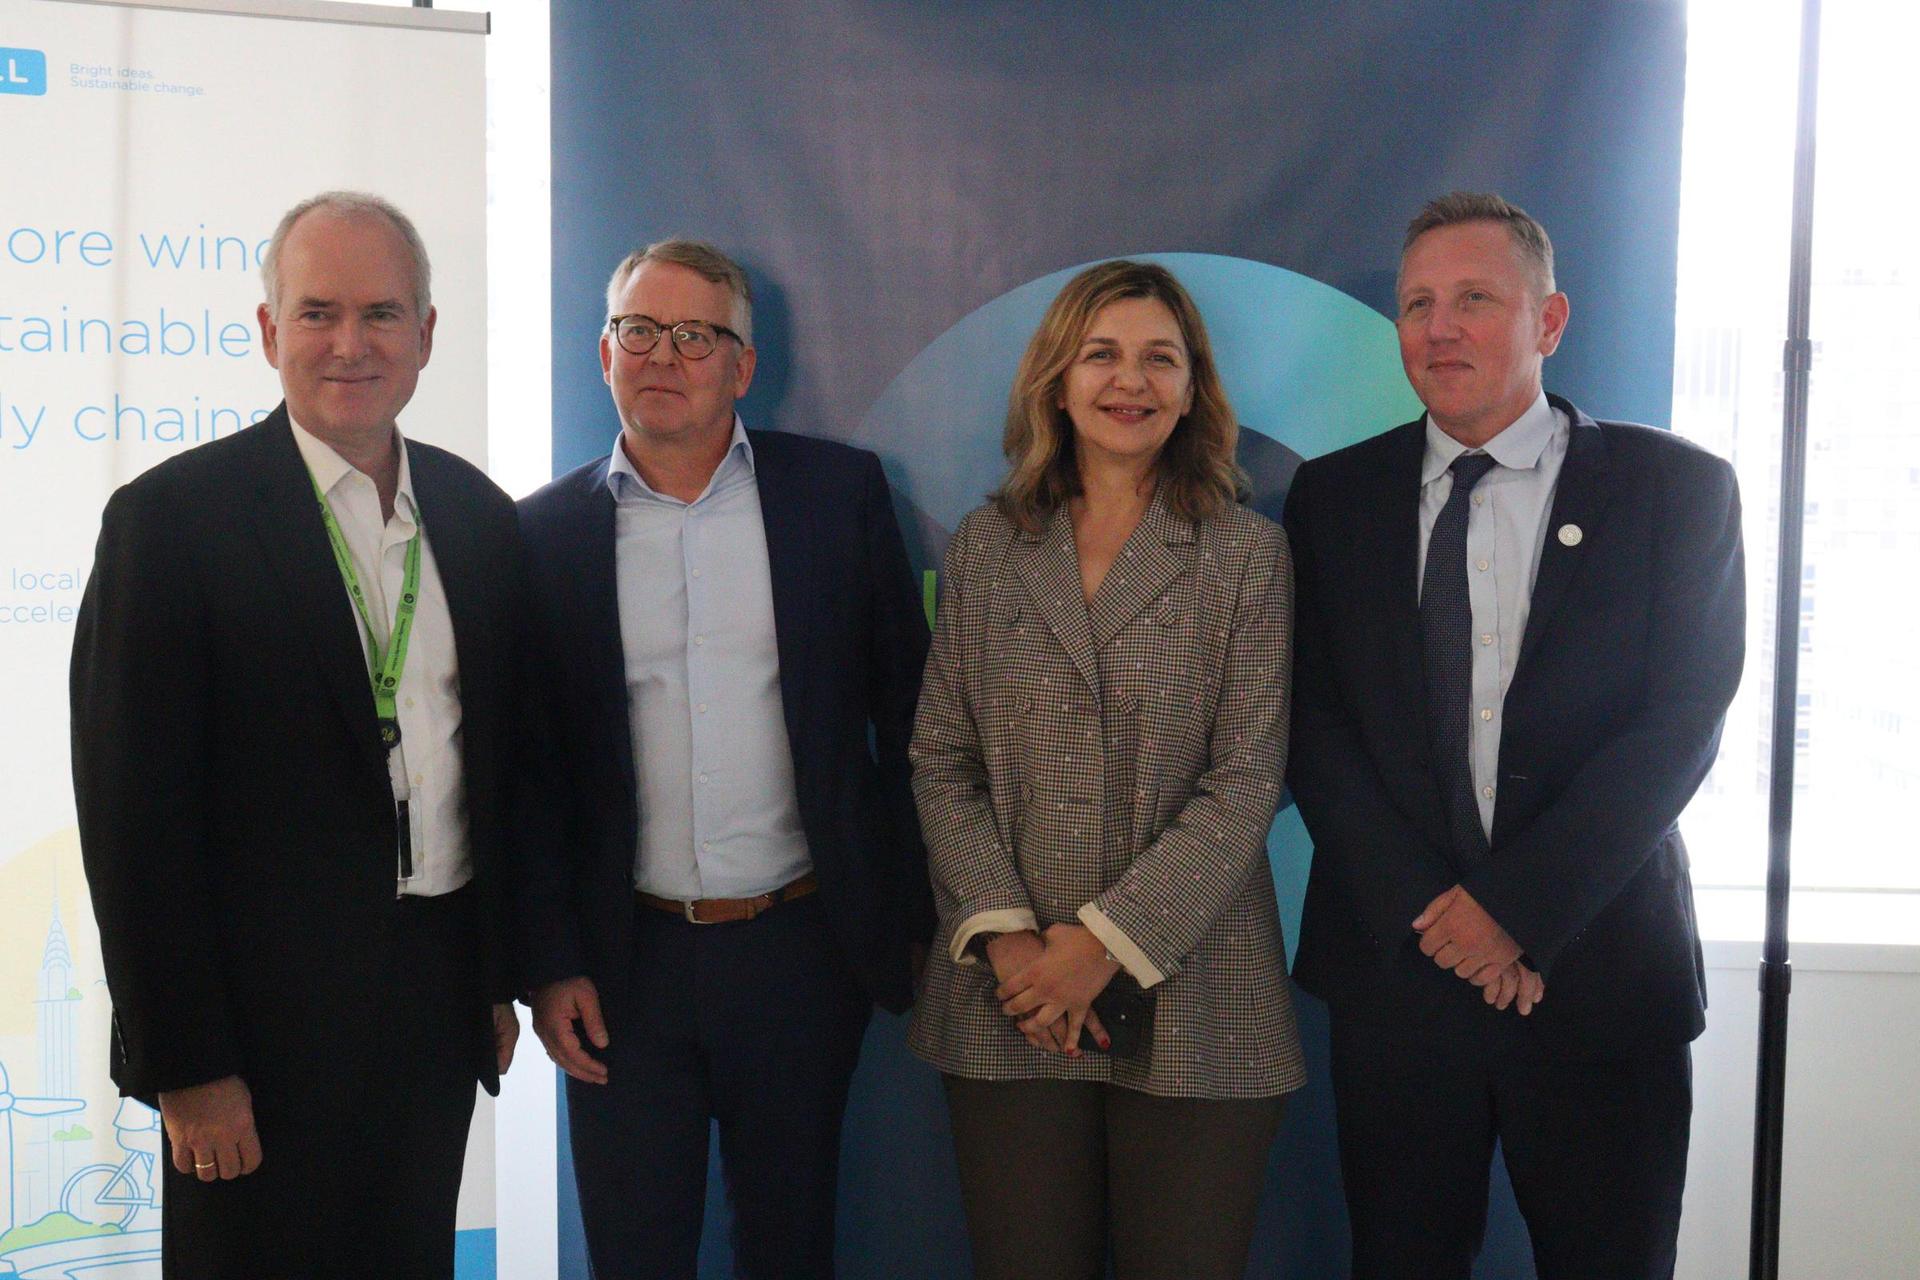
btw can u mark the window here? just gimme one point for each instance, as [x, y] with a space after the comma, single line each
[1856, 848]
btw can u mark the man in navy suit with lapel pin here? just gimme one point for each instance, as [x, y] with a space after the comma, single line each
[724, 870]
[1518, 632]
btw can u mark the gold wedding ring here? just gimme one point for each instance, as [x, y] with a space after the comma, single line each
[202, 1168]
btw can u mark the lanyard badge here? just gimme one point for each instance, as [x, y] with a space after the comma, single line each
[384, 666]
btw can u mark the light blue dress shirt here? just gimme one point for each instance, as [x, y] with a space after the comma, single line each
[1506, 531]
[714, 772]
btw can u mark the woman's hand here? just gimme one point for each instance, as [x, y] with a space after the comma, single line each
[1058, 984]
[1009, 954]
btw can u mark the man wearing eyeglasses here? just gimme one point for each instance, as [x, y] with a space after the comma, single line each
[724, 871]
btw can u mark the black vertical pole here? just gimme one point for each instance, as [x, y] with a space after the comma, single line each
[1776, 976]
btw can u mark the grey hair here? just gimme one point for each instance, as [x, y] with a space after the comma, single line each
[352, 204]
[705, 261]
[1458, 207]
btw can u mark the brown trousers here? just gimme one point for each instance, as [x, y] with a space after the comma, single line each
[1051, 1171]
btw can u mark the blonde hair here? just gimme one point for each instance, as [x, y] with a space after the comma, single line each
[705, 261]
[1197, 467]
[1457, 208]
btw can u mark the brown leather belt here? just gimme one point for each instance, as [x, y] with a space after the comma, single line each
[727, 910]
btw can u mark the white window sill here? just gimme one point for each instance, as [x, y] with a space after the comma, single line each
[1840, 930]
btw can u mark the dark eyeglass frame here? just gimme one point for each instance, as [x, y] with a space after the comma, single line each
[678, 332]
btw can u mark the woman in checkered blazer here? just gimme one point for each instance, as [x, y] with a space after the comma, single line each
[1097, 760]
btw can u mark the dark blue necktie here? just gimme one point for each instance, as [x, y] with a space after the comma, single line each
[1446, 633]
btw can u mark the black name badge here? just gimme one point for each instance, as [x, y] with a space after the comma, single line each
[389, 733]
[403, 823]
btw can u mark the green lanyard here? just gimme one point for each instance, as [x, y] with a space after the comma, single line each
[384, 668]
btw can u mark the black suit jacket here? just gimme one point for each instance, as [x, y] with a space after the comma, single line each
[1632, 652]
[852, 638]
[236, 817]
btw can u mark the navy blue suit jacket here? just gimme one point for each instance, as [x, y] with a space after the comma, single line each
[852, 638]
[1632, 652]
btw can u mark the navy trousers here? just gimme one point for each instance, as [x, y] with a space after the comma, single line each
[1425, 1079]
[756, 1026]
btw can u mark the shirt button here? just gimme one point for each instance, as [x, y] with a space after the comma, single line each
[1483, 566]
[1487, 792]
[700, 640]
[1479, 499]
[1486, 713]
[703, 708]
[703, 779]
[706, 844]
[409, 702]
[696, 573]
[419, 779]
[1486, 637]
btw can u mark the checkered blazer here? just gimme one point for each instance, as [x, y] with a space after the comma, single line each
[1117, 763]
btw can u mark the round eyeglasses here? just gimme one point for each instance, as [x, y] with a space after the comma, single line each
[692, 339]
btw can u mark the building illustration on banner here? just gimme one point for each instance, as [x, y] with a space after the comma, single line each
[79, 1190]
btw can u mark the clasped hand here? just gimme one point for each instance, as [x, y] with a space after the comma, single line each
[1048, 982]
[1457, 933]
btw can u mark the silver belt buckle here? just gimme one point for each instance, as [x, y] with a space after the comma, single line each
[686, 909]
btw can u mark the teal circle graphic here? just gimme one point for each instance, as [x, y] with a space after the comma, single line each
[1307, 368]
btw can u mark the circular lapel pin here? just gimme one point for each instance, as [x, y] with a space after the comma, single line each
[1570, 535]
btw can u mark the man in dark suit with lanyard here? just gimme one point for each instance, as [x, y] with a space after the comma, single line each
[291, 697]
[1518, 633]
[725, 872]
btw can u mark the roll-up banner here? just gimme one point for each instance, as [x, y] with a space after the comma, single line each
[146, 152]
[909, 185]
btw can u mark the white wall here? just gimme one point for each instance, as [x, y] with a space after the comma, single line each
[1850, 1205]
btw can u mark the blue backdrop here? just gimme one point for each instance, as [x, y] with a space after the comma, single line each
[908, 185]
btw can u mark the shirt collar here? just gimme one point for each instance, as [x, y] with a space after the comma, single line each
[622, 472]
[329, 469]
[1518, 447]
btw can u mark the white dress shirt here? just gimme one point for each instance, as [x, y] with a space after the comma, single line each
[425, 767]
[719, 816]
[1506, 530]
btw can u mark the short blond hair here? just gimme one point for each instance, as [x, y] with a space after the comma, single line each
[705, 261]
[1460, 207]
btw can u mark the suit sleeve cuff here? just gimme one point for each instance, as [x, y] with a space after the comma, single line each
[1121, 947]
[1006, 920]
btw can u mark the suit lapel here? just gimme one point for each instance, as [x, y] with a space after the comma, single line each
[1386, 550]
[1392, 527]
[790, 567]
[1159, 550]
[592, 563]
[286, 519]
[1049, 567]
[1579, 502]
[456, 555]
